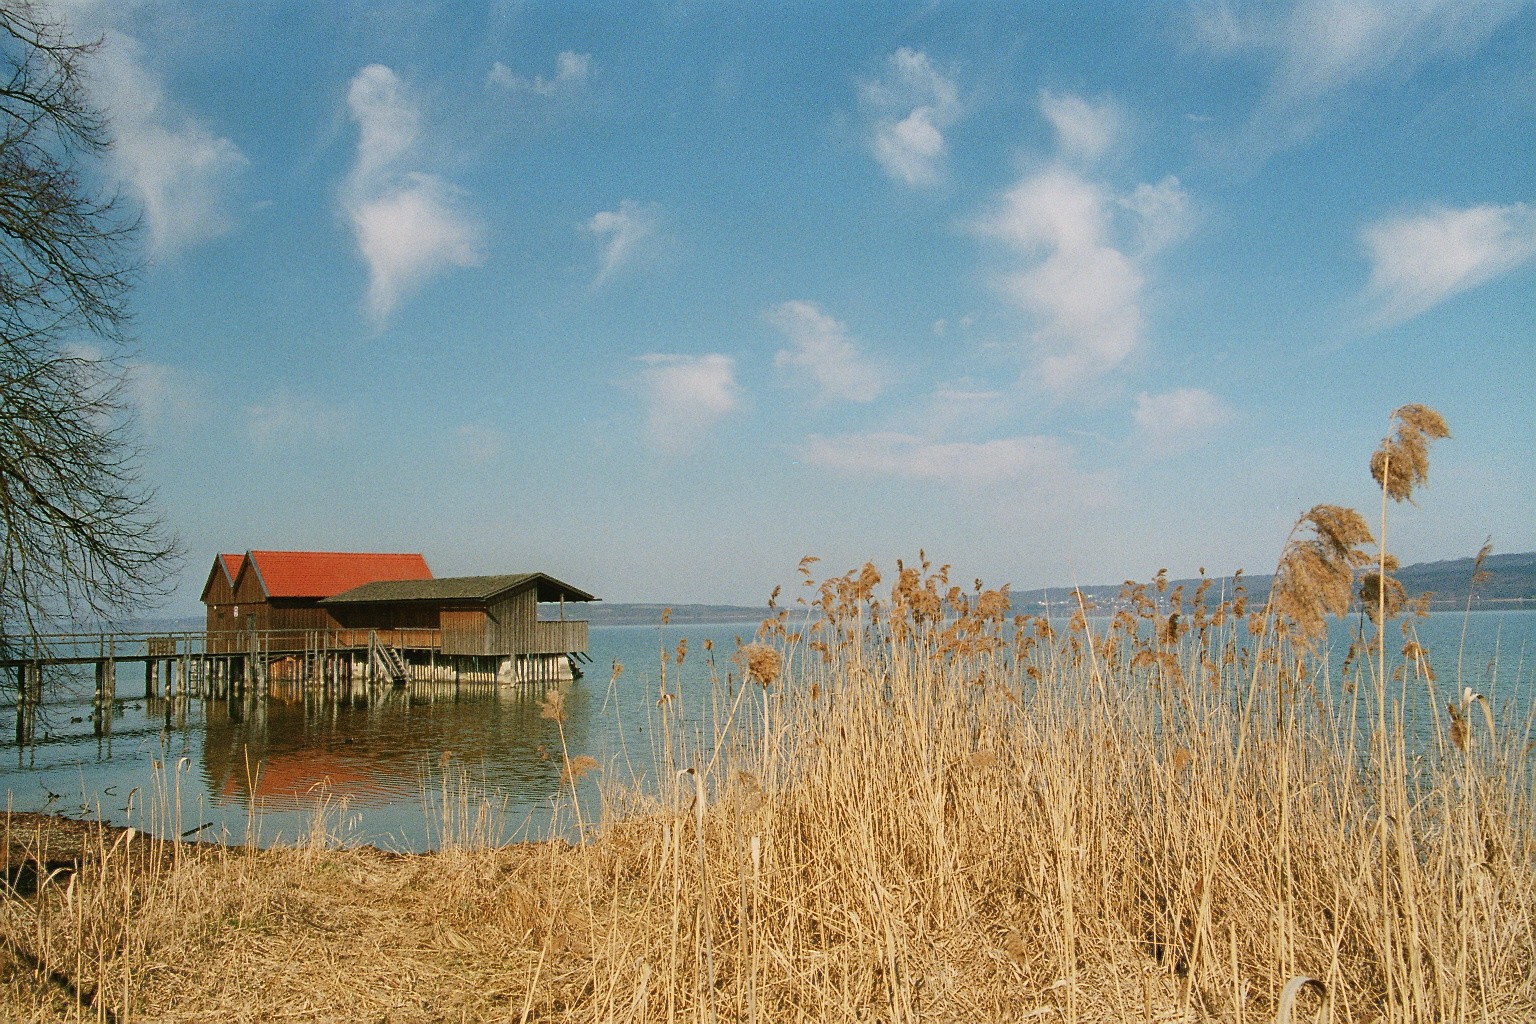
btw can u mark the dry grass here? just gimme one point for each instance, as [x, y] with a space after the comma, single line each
[913, 807]
[982, 819]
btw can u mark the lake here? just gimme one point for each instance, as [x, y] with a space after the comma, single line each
[412, 771]
[381, 772]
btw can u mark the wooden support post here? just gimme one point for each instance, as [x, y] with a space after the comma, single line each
[151, 678]
[26, 709]
[106, 695]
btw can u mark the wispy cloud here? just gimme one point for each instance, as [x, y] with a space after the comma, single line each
[1162, 215]
[478, 443]
[911, 106]
[822, 352]
[1323, 47]
[167, 396]
[962, 409]
[1417, 262]
[180, 170]
[623, 235]
[572, 71]
[687, 396]
[1178, 421]
[407, 222]
[1044, 467]
[1080, 282]
[1330, 43]
[285, 419]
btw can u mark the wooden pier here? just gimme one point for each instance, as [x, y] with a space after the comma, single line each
[241, 665]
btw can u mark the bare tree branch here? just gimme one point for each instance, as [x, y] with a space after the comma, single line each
[81, 533]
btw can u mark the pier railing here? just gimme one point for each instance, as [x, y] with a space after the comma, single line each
[80, 648]
[550, 637]
[331, 663]
[303, 641]
[556, 636]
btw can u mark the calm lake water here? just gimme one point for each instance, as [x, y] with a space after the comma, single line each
[395, 772]
[401, 772]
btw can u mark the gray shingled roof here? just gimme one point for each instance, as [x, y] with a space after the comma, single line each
[458, 588]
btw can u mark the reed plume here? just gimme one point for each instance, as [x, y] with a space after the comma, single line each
[1315, 577]
[1401, 462]
[760, 663]
[1381, 594]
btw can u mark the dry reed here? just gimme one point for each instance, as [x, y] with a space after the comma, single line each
[913, 806]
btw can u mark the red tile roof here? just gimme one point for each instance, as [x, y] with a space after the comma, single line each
[231, 565]
[323, 573]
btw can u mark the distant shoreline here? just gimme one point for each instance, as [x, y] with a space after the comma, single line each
[1510, 586]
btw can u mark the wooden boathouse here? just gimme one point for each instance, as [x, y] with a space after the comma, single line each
[475, 616]
[325, 622]
[284, 604]
[282, 590]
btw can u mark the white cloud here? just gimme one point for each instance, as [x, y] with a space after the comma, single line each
[286, 419]
[388, 121]
[1083, 292]
[1420, 261]
[407, 222]
[1177, 421]
[822, 351]
[912, 106]
[1084, 130]
[622, 236]
[1043, 467]
[1081, 285]
[572, 71]
[687, 395]
[180, 170]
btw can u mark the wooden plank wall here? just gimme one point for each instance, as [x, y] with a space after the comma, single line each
[465, 631]
[221, 602]
[513, 624]
[299, 613]
[251, 603]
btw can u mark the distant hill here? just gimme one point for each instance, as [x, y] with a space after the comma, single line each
[1511, 583]
[602, 613]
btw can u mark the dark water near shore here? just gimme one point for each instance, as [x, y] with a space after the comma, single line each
[413, 771]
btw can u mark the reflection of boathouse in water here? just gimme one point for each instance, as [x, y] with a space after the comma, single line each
[318, 612]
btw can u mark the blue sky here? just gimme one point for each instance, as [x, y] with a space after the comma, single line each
[661, 298]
